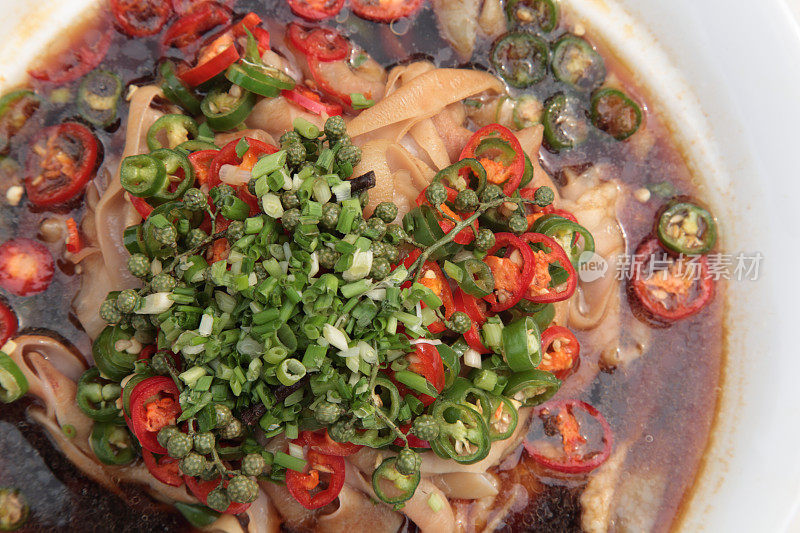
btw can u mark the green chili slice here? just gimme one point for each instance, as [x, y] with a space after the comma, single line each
[196, 145]
[476, 278]
[532, 387]
[257, 83]
[224, 110]
[127, 390]
[112, 444]
[502, 419]
[542, 14]
[451, 361]
[687, 228]
[142, 175]
[13, 384]
[575, 62]
[133, 240]
[521, 58]
[467, 173]
[465, 392]
[463, 435]
[97, 397]
[521, 344]
[566, 233]
[615, 113]
[179, 171]
[177, 91]
[98, 97]
[198, 516]
[391, 486]
[565, 124]
[390, 397]
[112, 362]
[268, 74]
[174, 129]
[527, 175]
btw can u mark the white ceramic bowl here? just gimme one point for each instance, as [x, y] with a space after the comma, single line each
[727, 75]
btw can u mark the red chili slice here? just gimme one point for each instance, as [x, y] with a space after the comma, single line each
[154, 405]
[252, 22]
[61, 161]
[228, 156]
[511, 280]
[467, 303]
[675, 291]
[201, 489]
[8, 323]
[433, 278]
[385, 10]
[308, 99]
[139, 18]
[426, 362]
[301, 484]
[539, 290]
[321, 442]
[559, 417]
[215, 58]
[189, 28]
[201, 163]
[74, 243]
[165, 468]
[323, 44]
[508, 174]
[316, 9]
[78, 60]
[560, 351]
[26, 266]
[143, 208]
[466, 235]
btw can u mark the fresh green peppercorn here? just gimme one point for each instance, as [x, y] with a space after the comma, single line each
[204, 442]
[139, 265]
[335, 127]
[425, 427]
[376, 228]
[342, 430]
[218, 499]
[179, 445]
[195, 237]
[327, 257]
[378, 249]
[290, 137]
[436, 194]
[141, 323]
[195, 200]
[459, 322]
[408, 462]
[466, 201]
[391, 253]
[14, 509]
[291, 218]
[330, 215]
[222, 414]
[163, 282]
[380, 268]
[242, 489]
[166, 433]
[193, 464]
[395, 234]
[160, 364]
[221, 191]
[350, 154]
[491, 192]
[235, 231]
[232, 431]
[544, 196]
[290, 200]
[518, 223]
[327, 413]
[166, 235]
[253, 464]
[363, 199]
[484, 240]
[359, 226]
[128, 301]
[109, 312]
[386, 211]
[296, 154]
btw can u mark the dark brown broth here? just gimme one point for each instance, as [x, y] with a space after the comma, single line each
[665, 400]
